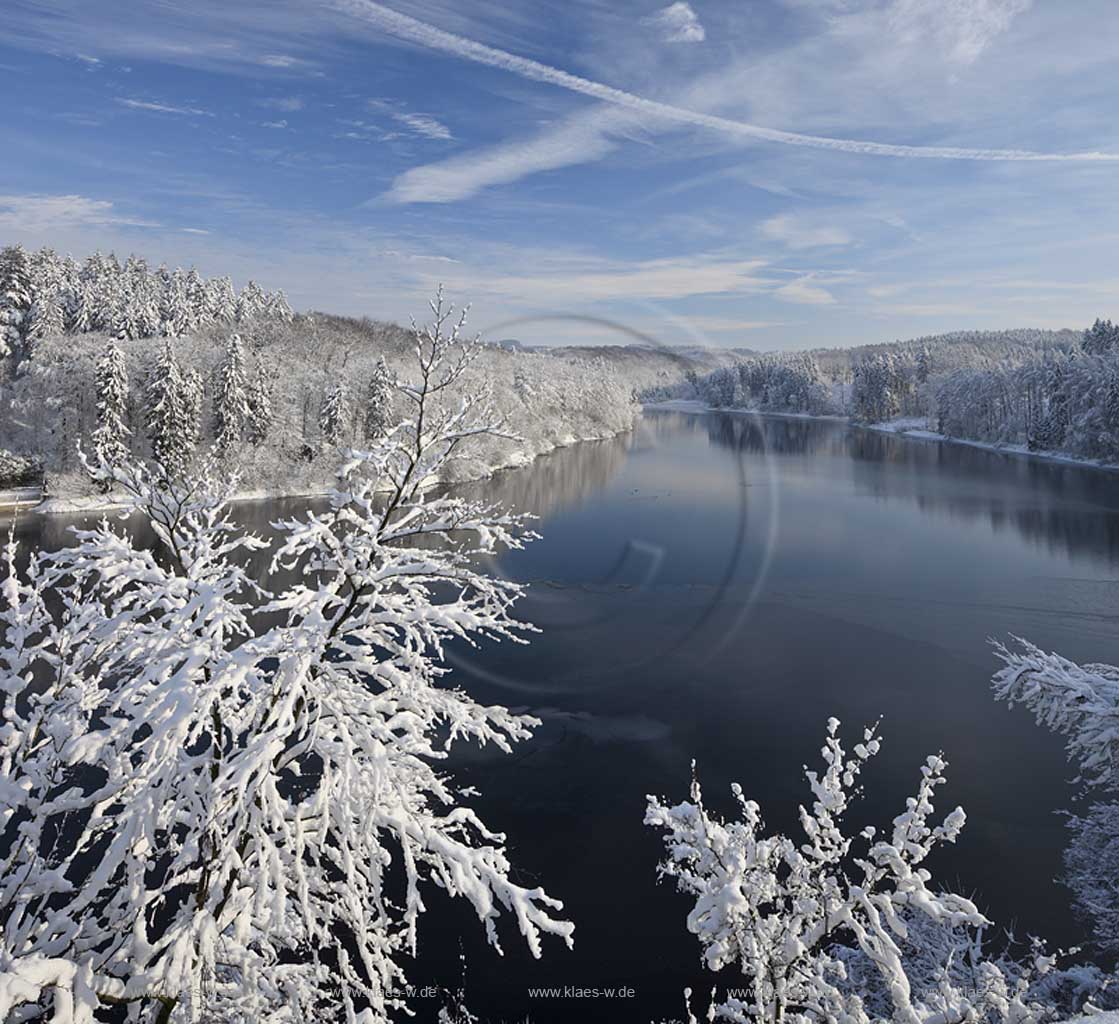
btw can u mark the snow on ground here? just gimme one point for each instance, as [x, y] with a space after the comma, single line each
[513, 458]
[917, 427]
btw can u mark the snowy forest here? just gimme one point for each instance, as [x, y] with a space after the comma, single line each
[1042, 391]
[119, 359]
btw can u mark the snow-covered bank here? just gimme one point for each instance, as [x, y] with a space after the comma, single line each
[516, 458]
[914, 427]
[917, 428]
[545, 402]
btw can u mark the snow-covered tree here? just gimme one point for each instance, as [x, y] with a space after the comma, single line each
[266, 805]
[1081, 702]
[798, 916]
[1101, 337]
[334, 416]
[174, 311]
[221, 300]
[194, 394]
[231, 400]
[197, 299]
[277, 307]
[47, 316]
[145, 299]
[15, 299]
[251, 303]
[82, 311]
[378, 402]
[42, 295]
[878, 389]
[1091, 862]
[259, 396]
[110, 439]
[168, 407]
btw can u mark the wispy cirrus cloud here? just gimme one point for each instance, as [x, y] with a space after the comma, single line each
[399, 254]
[287, 104]
[43, 214]
[656, 280]
[796, 233]
[283, 61]
[726, 324]
[163, 108]
[803, 292]
[963, 29]
[458, 178]
[425, 125]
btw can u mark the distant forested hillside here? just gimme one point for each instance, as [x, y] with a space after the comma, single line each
[954, 350]
[1046, 391]
[648, 369]
[118, 358]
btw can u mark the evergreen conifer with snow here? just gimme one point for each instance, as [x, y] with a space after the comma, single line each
[110, 439]
[378, 402]
[334, 416]
[15, 299]
[1101, 337]
[169, 404]
[231, 400]
[261, 413]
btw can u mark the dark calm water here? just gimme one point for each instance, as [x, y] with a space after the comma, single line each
[715, 587]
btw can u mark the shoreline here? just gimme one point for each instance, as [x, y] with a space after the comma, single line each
[903, 427]
[915, 433]
[29, 500]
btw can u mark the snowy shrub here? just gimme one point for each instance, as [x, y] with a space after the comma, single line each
[1092, 871]
[223, 803]
[1081, 702]
[824, 931]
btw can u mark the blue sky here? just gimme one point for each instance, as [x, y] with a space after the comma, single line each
[777, 174]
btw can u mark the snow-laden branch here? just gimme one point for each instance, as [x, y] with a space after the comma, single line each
[1080, 702]
[822, 933]
[223, 796]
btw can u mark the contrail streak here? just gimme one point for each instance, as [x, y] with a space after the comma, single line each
[413, 30]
